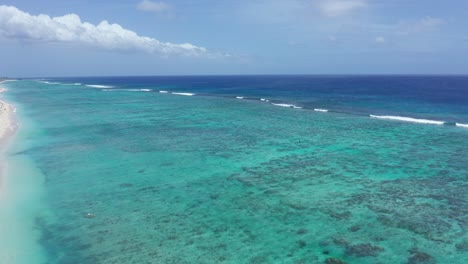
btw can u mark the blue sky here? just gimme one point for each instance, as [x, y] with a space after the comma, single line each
[172, 37]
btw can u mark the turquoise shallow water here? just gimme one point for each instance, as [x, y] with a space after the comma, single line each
[200, 179]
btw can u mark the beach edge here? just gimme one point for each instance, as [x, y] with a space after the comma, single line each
[19, 189]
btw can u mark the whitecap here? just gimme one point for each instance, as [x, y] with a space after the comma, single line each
[163, 91]
[320, 110]
[46, 82]
[125, 90]
[185, 94]
[288, 105]
[239, 97]
[409, 119]
[461, 125]
[99, 86]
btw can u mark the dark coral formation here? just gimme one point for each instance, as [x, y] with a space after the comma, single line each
[462, 246]
[301, 243]
[363, 250]
[354, 228]
[434, 208]
[334, 261]
[302, 231]
[418, 257]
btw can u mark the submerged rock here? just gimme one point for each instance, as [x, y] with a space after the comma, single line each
[340, 216]
[462, 246]
[301, 243]
[334, 261]
[301, 231]
[418, 257]
[354, 228]
[340, 241]
[363, 250]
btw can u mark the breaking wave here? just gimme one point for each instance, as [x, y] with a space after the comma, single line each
[185, 94]
[99, 86]
[409, 119]
[320, 110]
[288, 105]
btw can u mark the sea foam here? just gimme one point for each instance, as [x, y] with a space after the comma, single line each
[320, 110]
[99, 86]
[163, 91]
[126, 90]
[239, 97]
[288, 105]
[409, 119]
[461, 125]
[46, 82]
[185, 94]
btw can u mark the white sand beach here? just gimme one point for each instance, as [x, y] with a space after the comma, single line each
[8, 127]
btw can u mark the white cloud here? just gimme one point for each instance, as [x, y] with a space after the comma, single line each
[380, 40]
[150, 6]
[429, 22]
[334, 8]
[421, 25]
[17, 24]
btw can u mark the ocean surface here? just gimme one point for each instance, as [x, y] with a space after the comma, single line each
[241, 169]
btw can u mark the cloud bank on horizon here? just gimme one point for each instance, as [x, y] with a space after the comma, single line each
[69, 28]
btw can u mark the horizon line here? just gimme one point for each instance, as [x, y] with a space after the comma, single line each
[233, 75]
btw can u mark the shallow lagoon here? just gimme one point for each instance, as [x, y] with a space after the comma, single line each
[203, 179]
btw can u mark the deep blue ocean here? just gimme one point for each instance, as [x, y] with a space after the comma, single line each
[243, 169]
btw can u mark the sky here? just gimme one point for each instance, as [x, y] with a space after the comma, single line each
[218, 37]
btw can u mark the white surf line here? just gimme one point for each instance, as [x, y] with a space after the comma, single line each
[409, 119]
[46, 82]
[461, 125]
[240, 97]
[320, 110]
[99, 86]
[184, 94]
[288, 105]
[163, 91]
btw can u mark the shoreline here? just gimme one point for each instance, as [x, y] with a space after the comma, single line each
[8, 128]
[20, 191]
